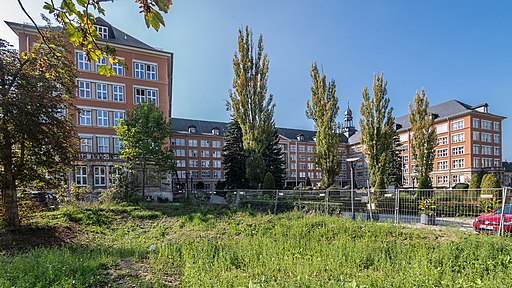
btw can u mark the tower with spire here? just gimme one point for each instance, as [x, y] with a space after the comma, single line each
[348, 123]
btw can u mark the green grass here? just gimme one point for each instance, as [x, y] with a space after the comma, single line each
[199, 247]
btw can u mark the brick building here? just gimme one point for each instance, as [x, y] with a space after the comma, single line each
[102, 101]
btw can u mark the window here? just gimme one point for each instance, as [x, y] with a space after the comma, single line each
[118, 93]
[179, 152]
[293, 165]
[293, 148]
[442, 153]
[496, 138]
[496, 151]
[81, 175]
[216, 144]
[118, 144]
[476, 136]
[457, 138]
[496, 126]
[443, 128]
[406, 168]
[101, 62]
[486, 162]
[192, 153]
[497, 163]
[178, 141]
[302, 148]
[102, 30]
[182, 174]
[486, 150]
[181, 163]
[486, 124]
[476, 162]
[457, 150]
[442, 165]
[217, 154]
[311, 149]
[205, 174]
[476, 149]
[457, 178]
[101, 91]
[205, 153]
[443, 179]
[151, 95]
[100, 176]
[85, 117]
[302, 174]
[404, 137]
[145, 95]
[82, 62]
[217, 164]
[102, 118]
[302, 157]
[118, 116]
[205, 163]
[405, 158]
[293, 157]
[84, 89]
[302, 166]
[86, 144]
[118, 68]
[457, 163]
[205, 143]
[311, 166]
[476, 123]
[217, 174]
[192, 143]
[215, 131]
[405, 148]
[487, 137]
[103, 144]
[442, 140]
[457, 125]
[193, 163]
[145, 71]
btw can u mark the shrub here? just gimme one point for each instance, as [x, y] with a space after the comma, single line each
[425, 187]
[461, 186]
[308, 182]
[268, 182]
[490, 181]
[476, 180]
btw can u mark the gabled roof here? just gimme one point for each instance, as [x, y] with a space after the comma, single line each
[443, 111]
[292, 134]
[115, 36]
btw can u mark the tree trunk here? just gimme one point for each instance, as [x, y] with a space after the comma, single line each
[10, 203]
[143, 182]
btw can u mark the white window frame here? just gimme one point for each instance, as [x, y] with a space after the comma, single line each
[86, 144]
[216, 144]
[442, 165]
[118, 145]
[496, 126]
[82, 62]
[101, 62]
[118, 67]
[476, 149]
[81, 175]
[442, 140]
[102, 30]
[457, 125]
[100, 176]
[101, 91]
[84, 89]
[216, 154]
[102, 118]
[458, 163]
[103, 144]
[85, 118]
[458, 150]
[496, 138]
[476, 123]
[458, 138]
[118, 93]
[116, 116]
[441, 153]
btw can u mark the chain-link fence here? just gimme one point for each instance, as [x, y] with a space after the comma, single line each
[484, 210]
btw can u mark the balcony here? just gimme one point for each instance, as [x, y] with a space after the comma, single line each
[84, 156]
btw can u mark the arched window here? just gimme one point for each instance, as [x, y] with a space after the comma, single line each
[215, 131]
[192, 129]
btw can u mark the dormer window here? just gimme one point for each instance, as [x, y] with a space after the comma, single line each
[102, 30]
[192, 129]
[300, 137]
[215, 131]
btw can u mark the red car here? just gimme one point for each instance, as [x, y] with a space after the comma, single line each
[490, 222]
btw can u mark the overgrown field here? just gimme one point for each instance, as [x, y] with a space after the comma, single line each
[111, 247]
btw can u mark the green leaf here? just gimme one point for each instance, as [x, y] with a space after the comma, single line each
[49, 7]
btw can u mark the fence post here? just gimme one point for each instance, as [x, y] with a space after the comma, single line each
[237, 199]
[502, 214]
[397, 205]
[326, 202]
[275, 206]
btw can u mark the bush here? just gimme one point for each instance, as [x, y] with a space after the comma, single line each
[308, 182]
[425, 187]
[476, 180]
[490, 181]
[461, 186]
[268, 182]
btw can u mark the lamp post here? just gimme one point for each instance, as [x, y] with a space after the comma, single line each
[352, 163]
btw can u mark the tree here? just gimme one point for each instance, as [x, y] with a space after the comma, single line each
[323, 110]
[476, 180]
[144, 135]
[268, 182]
[251, 106]
[77, 17]
[377, 130]
[37, 137]
[273, 156]
[308, 182]
[490, 181]
[394, 164]
[424, 134]
[234, 157]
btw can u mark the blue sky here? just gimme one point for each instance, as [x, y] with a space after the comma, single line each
[454, 49]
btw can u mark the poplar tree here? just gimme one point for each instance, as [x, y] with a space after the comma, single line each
[377, 130]
[323, 110]
[251, 107]
[234, 157]
[423, 134]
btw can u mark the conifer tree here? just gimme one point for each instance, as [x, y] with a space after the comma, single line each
[394, 164]
[234, 157]
[273, 156]
[424, 134]
[377, 130]
[323, 110]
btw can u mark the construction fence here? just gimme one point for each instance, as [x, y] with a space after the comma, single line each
[443, 207]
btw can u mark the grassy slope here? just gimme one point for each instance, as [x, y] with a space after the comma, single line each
[200, 248]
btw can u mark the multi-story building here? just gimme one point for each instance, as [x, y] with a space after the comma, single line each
[469, 139]
[102, 101]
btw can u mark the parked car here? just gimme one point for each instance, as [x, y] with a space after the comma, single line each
[490, 222]
[47, 200]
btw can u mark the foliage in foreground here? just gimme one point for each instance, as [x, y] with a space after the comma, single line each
[207, 248]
